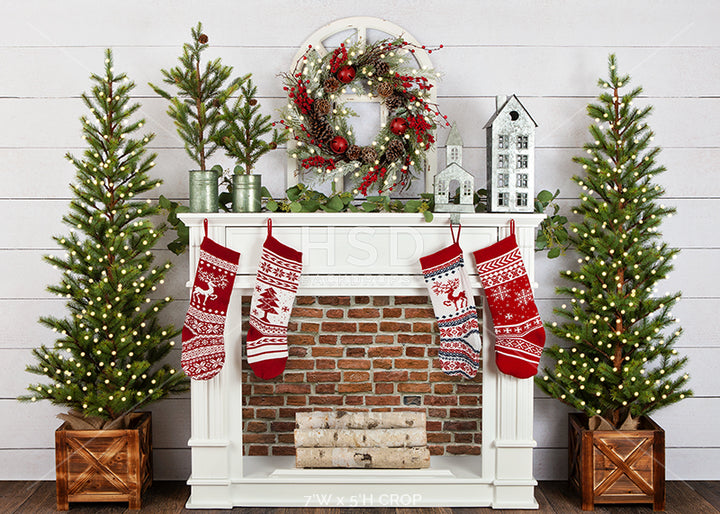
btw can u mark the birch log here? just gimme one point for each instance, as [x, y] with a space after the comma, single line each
[349, 438]
[359, 420]
[393, 458]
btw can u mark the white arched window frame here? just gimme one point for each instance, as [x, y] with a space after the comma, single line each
[361, 25]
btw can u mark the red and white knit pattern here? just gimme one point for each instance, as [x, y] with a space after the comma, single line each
[454, 307]
[203, 345]
[519, 332]
[272, 301]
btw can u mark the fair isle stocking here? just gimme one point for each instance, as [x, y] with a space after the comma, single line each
[452, 300]
[519, 332]
[272, 300]
[203, 344]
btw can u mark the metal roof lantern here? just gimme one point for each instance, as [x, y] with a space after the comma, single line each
[454, 173]
[510, 157]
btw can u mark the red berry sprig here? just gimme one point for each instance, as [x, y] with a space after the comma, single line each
[339, 56]
[318, 162]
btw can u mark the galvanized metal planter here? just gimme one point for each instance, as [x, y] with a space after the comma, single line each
[246, 193]
[204, 190]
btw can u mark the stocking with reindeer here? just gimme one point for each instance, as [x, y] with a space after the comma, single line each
[203, 345]
[452, 300]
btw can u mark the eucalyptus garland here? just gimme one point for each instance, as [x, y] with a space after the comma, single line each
[317, 116]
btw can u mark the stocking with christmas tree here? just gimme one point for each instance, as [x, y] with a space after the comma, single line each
[277, 282]
[203, 340]
[519, 332]
[452, 300]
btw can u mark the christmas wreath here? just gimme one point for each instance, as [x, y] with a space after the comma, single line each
[318, 119]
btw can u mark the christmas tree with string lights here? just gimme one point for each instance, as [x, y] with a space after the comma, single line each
[107, 360]
[618, 360]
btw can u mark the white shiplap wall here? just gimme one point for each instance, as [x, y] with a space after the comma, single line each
[549, 53]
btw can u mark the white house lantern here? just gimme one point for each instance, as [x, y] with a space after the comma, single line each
[510, 157]
[454, 177]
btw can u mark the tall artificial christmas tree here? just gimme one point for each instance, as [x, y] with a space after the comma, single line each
[107, 360]
[620, 359]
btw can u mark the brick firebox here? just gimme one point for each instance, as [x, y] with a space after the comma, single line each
[362, 353]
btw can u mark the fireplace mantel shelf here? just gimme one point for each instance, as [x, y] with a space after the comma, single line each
[358, 254]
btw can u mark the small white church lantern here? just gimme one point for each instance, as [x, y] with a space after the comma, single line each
[510, 157]
[454, 177]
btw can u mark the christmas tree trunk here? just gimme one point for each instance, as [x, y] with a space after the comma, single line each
[618, 360]
[108, 358]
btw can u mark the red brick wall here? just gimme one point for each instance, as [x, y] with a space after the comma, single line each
[361, 353]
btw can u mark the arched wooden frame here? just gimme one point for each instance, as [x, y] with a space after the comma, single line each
[361, 25]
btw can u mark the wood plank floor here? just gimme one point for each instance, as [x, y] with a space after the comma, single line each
[170, 498]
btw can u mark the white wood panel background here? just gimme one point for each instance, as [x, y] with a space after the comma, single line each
[549, 53]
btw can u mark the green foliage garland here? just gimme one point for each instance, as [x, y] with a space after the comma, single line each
[620, 360]
[107, 360]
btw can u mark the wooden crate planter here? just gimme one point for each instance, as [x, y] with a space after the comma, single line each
[104, 465]
[612, 466]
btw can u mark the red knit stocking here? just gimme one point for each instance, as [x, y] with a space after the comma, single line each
[203, 345]
[272, 301]
[519, 332]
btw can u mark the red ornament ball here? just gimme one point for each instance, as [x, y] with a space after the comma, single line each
[346, 74]
[398, 126]
[338, 144]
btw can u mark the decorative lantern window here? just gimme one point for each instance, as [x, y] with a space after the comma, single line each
[503, 180]
[503, 142]
[522, 161]
[504, 199]
[521, 200]
[503, 161]
[522, 142]
[454, 154]
[521, 180]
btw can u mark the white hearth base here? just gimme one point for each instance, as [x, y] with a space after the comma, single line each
[351, 255]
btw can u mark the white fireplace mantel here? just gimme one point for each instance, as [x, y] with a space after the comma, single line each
[359, 254]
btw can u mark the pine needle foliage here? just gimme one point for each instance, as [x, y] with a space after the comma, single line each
[620, 359]
[243, 128]
[106, 361]
[201, 93]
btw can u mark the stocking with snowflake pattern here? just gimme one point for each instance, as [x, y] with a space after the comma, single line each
[277, 282]
[519, 332]
[203, 341]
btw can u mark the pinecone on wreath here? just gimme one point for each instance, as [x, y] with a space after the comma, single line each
[369, 155]
[322, 107]
[395, 150]
[393, 102]
[385, 89]
[353, 153]
[382, 68]
[320, 128]
[331, 84]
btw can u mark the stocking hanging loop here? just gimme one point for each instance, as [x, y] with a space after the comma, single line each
[205, 226]
[452, 233]
[512, 227]
[269, 226]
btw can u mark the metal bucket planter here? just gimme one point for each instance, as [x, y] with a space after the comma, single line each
[246, 193]
[204, 190]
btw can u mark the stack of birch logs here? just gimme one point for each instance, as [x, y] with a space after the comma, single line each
[396, 440]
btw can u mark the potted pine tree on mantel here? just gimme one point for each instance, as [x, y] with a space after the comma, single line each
[197, 113]
[619, 364]
[241, 136]
[109, 357]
